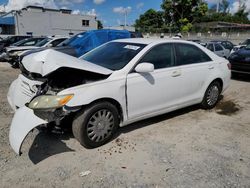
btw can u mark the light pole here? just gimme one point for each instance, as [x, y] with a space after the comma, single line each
[125, 17]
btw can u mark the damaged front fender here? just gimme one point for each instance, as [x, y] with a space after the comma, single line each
[23, 122]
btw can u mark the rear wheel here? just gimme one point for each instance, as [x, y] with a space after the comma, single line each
[96, 125]
[212, 95]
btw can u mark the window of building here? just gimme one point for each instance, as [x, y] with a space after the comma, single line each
[85, 23]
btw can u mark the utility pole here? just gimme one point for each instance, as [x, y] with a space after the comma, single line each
[218, 6]
[125, 18]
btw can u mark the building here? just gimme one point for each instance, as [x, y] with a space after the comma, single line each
[36, 21]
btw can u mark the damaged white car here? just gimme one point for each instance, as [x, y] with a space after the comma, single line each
[113, 85]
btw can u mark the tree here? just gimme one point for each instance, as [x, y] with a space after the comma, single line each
[241, 15]
[99, 24]
[224, 6]
[183, 13]
[150, 21]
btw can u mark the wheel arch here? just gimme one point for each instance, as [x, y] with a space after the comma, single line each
[112, 101]
[220, 82]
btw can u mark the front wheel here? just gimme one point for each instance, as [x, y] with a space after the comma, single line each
[96, 124]
[211, 96]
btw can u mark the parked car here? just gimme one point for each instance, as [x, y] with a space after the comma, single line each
[241, 45]
[118, 83]
[198, 41]
[240, 61]
[135, 34]
[225, 43]
[85, 41]
[9, 41]
[19, 46]
[27, 42]
[218, 49]
[47, 42]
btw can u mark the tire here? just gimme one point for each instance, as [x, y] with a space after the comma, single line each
[211, 96]
[96, 124]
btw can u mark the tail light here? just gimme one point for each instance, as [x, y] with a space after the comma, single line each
[229, 66]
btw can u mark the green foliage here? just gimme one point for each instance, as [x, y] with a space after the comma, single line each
[183, 15]
[99, 24]
[150, 21]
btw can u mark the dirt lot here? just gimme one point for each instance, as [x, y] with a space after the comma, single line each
[187, 148]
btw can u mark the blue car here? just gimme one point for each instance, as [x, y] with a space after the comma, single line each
[86, 41]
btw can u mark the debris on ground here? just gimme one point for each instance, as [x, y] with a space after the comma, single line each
[86, 173]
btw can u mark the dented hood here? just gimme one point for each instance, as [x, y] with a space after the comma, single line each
[49, 60]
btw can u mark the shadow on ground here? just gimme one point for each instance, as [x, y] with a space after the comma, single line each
[47, 144]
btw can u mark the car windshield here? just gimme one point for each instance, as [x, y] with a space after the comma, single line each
[73, 40]
[43, 42]
[114, 55]
[19, 43]
[247, 47]
[246, 42]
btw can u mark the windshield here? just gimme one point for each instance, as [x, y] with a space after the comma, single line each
[247, 47]
[19, 43]
[73, 41]
[43, 42]
[114, 55]
[246, 42]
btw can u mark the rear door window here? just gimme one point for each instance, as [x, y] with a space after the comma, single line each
[190, 54]
[210, 47]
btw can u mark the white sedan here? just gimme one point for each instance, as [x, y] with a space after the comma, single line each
[218, 49]
[118, 83]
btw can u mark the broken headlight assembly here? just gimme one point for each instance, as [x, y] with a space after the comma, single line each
[50, 101]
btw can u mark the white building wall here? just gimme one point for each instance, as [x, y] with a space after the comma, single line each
[50, 22]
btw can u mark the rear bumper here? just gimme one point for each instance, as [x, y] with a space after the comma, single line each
[22, 123]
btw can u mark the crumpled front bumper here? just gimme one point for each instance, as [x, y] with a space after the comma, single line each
[22, 123]
[21, 91]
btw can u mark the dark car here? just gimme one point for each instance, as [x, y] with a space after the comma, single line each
[240, 61]
[135, 34]
[11, 40]
[225, 43]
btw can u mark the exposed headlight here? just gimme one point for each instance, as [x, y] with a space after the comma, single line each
[49, 101]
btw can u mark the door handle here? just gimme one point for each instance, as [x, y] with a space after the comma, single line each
[211, 67]
[176, 73]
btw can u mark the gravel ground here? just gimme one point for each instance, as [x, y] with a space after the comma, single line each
[187, 148]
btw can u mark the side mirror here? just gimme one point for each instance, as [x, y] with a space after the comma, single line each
[240, 43]
[50, 45]
[144, 68]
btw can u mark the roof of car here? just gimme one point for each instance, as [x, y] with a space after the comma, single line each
[150, 40]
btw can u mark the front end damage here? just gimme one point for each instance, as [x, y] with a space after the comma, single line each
[34, 95]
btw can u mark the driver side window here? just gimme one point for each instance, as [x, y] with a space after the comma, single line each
[161, 56]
